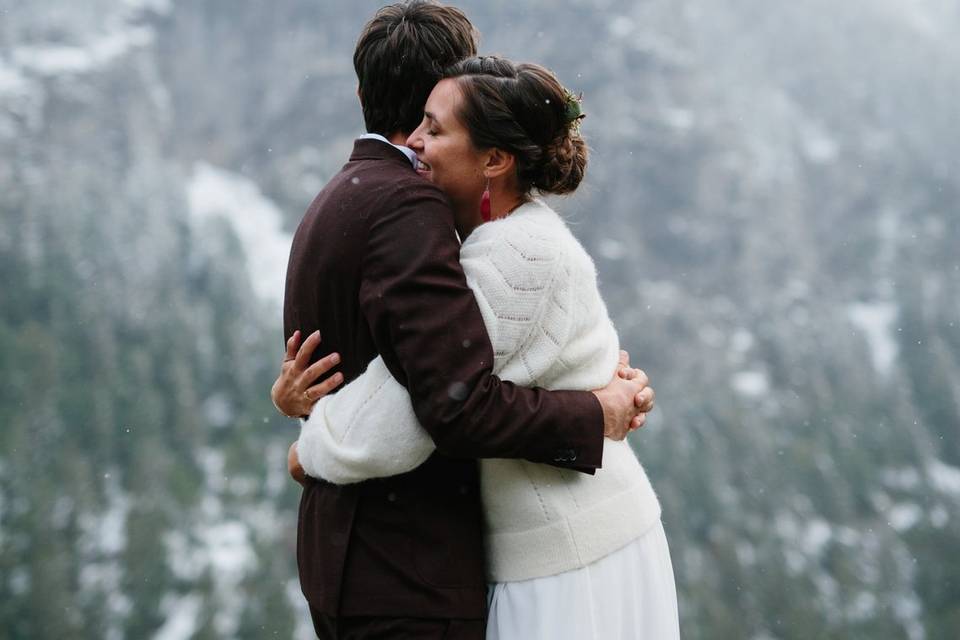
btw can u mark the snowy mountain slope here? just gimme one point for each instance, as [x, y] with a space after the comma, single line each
[772, 203]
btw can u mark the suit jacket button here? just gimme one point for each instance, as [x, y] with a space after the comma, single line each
[392, 497]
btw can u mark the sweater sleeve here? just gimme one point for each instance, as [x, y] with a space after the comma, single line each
[366, 430]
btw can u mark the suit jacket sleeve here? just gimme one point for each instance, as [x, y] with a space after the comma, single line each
[429, 330]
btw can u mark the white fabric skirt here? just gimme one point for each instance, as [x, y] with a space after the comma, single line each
[627, 595]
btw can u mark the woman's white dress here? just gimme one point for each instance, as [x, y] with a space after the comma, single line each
[627, 595]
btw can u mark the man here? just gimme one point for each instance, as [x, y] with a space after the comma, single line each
[375, 268]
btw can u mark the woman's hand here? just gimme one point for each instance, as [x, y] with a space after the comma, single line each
[293, 466]
[292, 394]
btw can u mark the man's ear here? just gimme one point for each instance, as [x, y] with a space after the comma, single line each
[498, 163]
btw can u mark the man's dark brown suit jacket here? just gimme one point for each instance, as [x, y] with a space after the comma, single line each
[375, 267]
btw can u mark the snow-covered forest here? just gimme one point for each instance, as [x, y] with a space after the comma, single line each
[773, 202]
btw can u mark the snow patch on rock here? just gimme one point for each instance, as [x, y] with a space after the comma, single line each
[752, 384]
[875, 320]
[56, 59]
[182, 615]
[944, 477]
[217, 194]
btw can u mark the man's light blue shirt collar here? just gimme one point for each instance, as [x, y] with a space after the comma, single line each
[407, 151]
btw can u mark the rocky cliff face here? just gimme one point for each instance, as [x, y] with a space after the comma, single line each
[772, 205]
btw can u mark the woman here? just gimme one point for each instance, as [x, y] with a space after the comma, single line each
[569, 555]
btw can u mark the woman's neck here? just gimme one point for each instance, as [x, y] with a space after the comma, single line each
[504, 197]
[503, 202]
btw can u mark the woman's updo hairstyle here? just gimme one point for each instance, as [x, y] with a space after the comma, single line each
[524, 110]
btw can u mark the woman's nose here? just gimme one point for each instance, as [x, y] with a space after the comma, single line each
[414, 141]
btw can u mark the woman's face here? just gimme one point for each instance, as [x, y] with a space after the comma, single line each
[447, 156]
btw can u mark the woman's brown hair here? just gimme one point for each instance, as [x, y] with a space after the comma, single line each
[524, 110]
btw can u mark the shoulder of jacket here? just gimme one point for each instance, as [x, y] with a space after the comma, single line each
[411, 186]
[407, 200]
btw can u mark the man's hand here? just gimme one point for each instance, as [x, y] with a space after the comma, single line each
[625, 401]
[292, 394]
[293, 466]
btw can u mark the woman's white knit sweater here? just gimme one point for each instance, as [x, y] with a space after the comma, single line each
[537, 290]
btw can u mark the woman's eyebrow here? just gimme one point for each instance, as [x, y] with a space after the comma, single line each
[431, 117]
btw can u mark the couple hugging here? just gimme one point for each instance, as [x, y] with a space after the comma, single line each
[472, 479]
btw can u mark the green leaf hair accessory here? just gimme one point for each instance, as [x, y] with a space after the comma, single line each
[573, 111]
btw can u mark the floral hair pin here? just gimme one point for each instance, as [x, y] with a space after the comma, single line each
[573, 111]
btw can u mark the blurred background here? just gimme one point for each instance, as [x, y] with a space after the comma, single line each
[772, 203]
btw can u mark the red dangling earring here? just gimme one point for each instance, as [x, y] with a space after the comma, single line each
[485, 203]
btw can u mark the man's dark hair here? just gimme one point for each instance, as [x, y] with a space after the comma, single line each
[401, 55]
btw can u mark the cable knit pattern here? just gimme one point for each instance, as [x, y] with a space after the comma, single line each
[537, 291]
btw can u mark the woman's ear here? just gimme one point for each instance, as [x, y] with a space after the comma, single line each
[498, 163]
